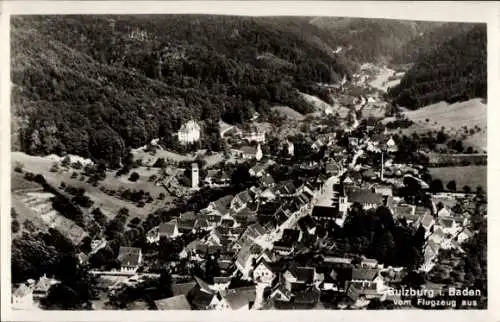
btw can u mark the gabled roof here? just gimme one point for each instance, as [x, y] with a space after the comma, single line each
[364, 196]
[364, 274]
[325, 212]
[446, 222]
[187, 215]
[306, 223]
[182, 288]
[267, 179]
[427, 221]
[186, 224]
[200, 299]
[248, 150]
[302, 274]
[290, 236]
[167, 228]
[222, 204]
[288, 188]
[240, 297]
[259, 167]
[179, 302]
[129, 255]
[283, 290]
[44, 284]
[244, 196]
[204, 287]
[21, 291]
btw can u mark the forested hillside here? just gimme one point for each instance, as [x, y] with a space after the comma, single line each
[96, 85]
[373, 40]
[455, 70]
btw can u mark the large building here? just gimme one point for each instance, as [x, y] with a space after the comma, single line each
[189, 132]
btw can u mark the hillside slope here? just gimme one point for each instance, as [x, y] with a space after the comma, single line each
[454, 71]
[372, 40]
[96, 85]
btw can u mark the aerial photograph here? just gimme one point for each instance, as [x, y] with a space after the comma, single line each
[241, 163]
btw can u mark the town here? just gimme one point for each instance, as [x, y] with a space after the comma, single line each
[290, 235]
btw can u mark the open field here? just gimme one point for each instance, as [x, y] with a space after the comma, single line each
[472, 176]
[110, 205]
[453, 117]
[289, 112]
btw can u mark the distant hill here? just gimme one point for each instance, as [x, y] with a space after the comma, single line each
[372, 40]
[452, 71]
[97, 85]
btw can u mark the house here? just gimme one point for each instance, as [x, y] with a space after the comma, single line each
[307, 225]
[333, 168]
[221, 283]
[427, 221]
[178, 302]
[42, 287]
[287, 189]
[221, 206]
[406, 212]
[258, 170]
[267, 180]
[317, 145]
[244, 260]
[189, 133]
[448, 225]
[263, 273]
[281, 293]
[186, 225]
[290, 148]
[22, 298]
[130, 259]
[369, 263]
[361, 292]
[325, 213]
[240, 299]
[254, 135]
[365, 197]
[169, 230]
[182, 288]
[298, 275]
[241, 200]
[430, 253]
[384, 190]
[202, 298]
[249, 152]
[464, 235]
[97, 244]
[362, 274]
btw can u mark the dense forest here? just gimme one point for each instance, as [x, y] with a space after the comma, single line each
[454, 71]
[96, 85]
[376, 40]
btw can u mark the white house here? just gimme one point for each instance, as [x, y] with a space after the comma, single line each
[22, 298]
[189, 133]
[263, 273]
[130, 259]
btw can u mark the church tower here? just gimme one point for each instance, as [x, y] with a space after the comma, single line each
[195, 176]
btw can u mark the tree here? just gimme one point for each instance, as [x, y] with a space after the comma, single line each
[452, 185]
[134, 177]
[479, 190]
[66, 161]
[15, 226]
[466, 189]
[436, 186]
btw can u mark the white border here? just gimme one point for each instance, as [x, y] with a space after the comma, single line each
[408, 10]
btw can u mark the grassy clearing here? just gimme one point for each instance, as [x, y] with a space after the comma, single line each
[453, 117]
[110, 205]
[289, 112]
[472, 176]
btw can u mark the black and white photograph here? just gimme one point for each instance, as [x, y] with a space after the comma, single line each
[244, 162]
